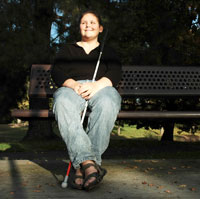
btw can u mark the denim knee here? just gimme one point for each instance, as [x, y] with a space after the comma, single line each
[66, 98]
[107, 99]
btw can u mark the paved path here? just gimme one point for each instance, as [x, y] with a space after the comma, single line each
[126, 179]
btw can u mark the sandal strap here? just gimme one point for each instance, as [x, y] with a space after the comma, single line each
[98, 175]
[84, 167]
[95, 174]
[78, 177]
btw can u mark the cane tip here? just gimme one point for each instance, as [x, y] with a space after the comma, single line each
[64, 185]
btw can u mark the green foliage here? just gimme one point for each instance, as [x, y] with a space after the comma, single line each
[13, 66]
[21, 46]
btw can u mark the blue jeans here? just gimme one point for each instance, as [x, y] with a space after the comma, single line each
[90, 144]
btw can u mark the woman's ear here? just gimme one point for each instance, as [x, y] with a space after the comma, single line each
[101, 29]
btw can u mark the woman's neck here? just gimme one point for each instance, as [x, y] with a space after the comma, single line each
[88, 46]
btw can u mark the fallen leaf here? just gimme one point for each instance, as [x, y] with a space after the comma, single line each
[150, 169]
[182, 185]
[150, 185]
[24, 184]
[183, 167]
[137, 160]
[160, 187]
[174, 168]
[193, 189]
[12, 192]
[37, 191]
[169, 172]
[167, 191]
[144, 182]
[52, 185]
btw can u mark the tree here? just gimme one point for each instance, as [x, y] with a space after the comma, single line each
[160, 32]
[42, 18]
[25, 40]
[13, 59]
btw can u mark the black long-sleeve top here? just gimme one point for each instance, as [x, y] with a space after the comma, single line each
[73, 62]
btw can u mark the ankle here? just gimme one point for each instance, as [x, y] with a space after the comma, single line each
[88, 162]
[78, 172]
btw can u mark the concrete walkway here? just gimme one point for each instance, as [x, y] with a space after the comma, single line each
[126, 179]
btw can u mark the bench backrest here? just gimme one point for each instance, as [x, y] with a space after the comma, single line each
[136, 81]
[41, 84]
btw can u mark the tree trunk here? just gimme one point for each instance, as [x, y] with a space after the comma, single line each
[41, 129]
[168, 131]
[169, 124]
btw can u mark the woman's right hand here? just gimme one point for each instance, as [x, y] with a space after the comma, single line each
[76, 86]
[73, 84]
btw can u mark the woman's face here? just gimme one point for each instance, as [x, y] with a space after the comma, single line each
[90, 27]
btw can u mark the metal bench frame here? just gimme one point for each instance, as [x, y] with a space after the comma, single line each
[137, 81]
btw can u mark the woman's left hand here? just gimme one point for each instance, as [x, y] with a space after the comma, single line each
[88, 89]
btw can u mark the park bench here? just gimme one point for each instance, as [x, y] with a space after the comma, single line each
[167, 82]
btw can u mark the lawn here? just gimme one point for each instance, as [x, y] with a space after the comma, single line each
[132, 142]
[130, 132]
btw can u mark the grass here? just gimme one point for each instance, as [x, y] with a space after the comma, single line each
[130, 132]
[131, 142]
[11, 136]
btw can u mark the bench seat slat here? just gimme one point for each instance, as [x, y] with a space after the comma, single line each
[158, 114]
[32, 113]
[122, 115]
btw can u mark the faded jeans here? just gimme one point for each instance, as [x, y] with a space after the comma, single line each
[90, 144]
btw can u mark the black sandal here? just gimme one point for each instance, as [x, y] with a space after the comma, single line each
[99, 174]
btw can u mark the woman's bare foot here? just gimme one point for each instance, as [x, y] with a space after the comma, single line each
[79, 181]
[88, 171]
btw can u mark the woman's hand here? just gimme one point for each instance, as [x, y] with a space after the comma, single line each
[76, 86]
[88, 89]
[71, 83]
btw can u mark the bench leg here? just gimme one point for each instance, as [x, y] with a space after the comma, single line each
[168, 131]
[39, 128]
